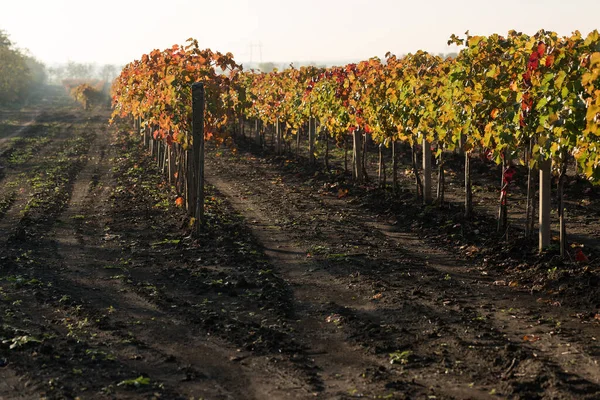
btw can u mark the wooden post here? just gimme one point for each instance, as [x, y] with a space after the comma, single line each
[468, 186]
[190, 192]
[146, 136]
[273, 136]
[363, 159]
[165, 165]
[503, 206]
[394, 166]
[544, 218]
[357, 171]
[171, 163]
[326, 159]
[278, 137]
[198, 149]
[382, 168]
[151, 144]
[441, 187]
[426, 171]
[158, 153]
[418, 181]
[257, 131]
[312, 127]
[298, 133]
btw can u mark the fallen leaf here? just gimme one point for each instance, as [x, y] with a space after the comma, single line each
[531, 338]
[580, 257]
[342, 193]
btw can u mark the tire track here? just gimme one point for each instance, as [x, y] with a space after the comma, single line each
[470, 320]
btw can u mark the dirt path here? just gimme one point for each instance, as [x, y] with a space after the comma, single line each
[291, 292]
[338, 362]
[101, 297]
[16, 132]
[160, 342]
[461, 332]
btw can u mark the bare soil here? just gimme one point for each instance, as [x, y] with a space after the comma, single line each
[296, 289]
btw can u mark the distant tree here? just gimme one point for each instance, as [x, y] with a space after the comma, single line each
[38, 71]
[267, 66]
[57, 73]
[4, 40]
[108, 72]
[76, 70]
[19, 71]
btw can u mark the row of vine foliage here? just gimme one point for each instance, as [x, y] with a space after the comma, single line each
[516, 98]
[86, 92]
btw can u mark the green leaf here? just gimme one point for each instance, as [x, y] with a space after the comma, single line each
[137, 382]
[547, 78]
[398, 357]
[541, 103]
[560, 79]
[20, 341]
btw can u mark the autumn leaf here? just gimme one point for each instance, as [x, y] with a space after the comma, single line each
[531, 338]
[179, 202]
[580, 257]
[541, 49]
[342, 193]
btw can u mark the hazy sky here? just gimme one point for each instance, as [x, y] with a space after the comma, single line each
[118, 31]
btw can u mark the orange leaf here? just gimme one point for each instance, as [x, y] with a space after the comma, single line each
[531, 338]
[179, 201]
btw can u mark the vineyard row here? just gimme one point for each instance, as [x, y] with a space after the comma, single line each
[516, 98]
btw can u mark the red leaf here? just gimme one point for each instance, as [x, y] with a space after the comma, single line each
[580, 257]
[541, 48]
[509, 174]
